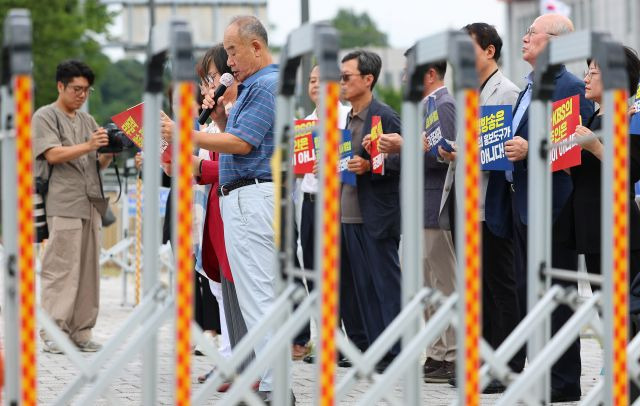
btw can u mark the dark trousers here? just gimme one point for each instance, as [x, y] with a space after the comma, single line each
[565, 373]
[375, 268]
[207, 313]
[500, 305]
[307, 240]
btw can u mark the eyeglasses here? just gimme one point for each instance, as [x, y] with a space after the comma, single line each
[79, 90]
[208, 80]
[590, 74]
[530, 32]
[344, 77]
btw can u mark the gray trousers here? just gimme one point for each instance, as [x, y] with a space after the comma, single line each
[236, 326]
[247, 215]
[440, 273]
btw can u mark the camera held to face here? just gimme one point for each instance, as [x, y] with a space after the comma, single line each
[118, 140]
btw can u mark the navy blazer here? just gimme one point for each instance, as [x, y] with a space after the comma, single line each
[379, 195]
[566, 85]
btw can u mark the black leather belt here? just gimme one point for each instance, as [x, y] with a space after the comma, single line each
[311, 197]
[225, 189]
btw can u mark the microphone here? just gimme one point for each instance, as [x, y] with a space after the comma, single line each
[226, 80]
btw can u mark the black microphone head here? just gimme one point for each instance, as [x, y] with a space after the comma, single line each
[226, 79]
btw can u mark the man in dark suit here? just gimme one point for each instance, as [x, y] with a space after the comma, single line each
[439, 260]
[370, 211]
[439, 255]
[500, 309]
[565, 376]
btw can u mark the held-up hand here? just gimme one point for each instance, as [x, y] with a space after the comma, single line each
[366, 143]
[632, 110]
[425, 144]
[98, 139]
[390, 143]
[219, 113]
[166, 127]
[516, 149]
[138, 161]
[358, 165]
[166, 167]
[447, 156]
[592, 145]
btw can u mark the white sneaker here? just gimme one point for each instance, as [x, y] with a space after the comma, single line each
[213, 339]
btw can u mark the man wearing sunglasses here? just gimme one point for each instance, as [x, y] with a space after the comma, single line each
[370, 211]
[65, 146]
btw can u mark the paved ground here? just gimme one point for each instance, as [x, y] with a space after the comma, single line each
[56, 371]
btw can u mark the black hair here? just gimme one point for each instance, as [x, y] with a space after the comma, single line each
[485, 35]
[369, 63]
[632, 67]
[67, 70]
[216, 55]
[439, 67]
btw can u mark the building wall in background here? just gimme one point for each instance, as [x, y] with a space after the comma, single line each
[618, 17]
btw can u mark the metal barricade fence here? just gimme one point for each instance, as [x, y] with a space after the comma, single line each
[138, 334]
[17, 209]
[532, 385]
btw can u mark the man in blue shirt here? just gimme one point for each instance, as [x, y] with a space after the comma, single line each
[246, 191]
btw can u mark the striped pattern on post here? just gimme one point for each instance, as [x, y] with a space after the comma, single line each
[330, 247]
[620, 264]
[138, 246]
[25, 187]
[184, 249]
[471, 283]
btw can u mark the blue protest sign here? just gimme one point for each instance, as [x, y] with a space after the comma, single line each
[346, 153]
[495, 129]
[432, 129]
[634, 123]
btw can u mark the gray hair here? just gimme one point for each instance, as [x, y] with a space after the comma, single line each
[560, 26]
[250, 27]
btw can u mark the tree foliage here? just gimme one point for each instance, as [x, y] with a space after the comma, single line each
[118, 88]
[61, 31]
[358, 30]
[390, 96]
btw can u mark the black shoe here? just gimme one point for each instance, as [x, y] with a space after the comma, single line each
[310, 359]
[267, 398]
[344, 362]
[442, 374]
[558, 395]
[382, 365]
[495, 386]
[430, 365]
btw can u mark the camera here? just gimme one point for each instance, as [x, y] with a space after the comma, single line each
[118, 140]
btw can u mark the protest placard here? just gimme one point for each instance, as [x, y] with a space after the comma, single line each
[564, 120]
[495, 129]
[304, 155]
[377, 157]
[130, 122]
[432, 129]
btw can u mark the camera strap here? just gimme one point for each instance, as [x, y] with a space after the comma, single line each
[115, 166]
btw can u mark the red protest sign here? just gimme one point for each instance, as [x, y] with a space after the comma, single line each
[304, 155]
[130, 122]
[564, 120]
[377, 157]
